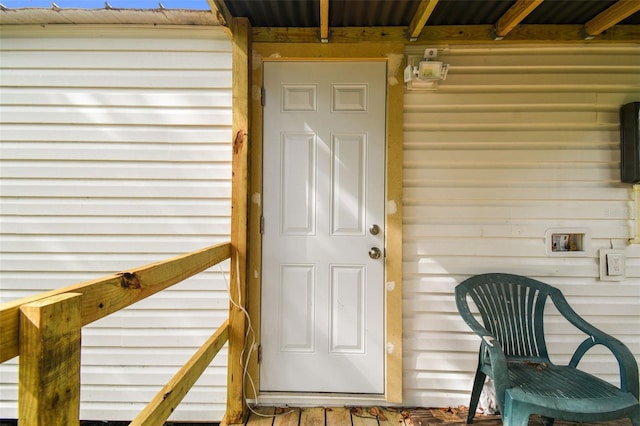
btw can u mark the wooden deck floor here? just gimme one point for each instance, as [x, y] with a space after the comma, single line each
[377, 416]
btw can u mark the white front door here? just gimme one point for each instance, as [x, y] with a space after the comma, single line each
[322, 320]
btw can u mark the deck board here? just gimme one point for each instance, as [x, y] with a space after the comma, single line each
[379, 416]
[338, 416]
[288, 417]
[391, 418]
[363, 420]
[312, 416]
[261, 416]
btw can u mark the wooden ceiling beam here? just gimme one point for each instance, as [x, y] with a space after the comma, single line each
[450, 34]
[324, 21]
[611, 16]
[419, 20]
[512, 17]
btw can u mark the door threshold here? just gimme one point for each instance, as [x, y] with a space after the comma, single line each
[297, 399]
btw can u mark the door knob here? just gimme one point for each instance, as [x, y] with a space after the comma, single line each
[375, 253]
[374, 229]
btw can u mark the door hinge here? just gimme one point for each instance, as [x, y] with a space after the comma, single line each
[263, 96]
[261, 225]
[259, 354]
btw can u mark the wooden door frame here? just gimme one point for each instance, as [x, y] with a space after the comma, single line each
[393, 54]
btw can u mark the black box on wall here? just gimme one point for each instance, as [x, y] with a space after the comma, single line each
[630, 142]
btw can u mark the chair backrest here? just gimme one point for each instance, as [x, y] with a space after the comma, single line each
[511, 308]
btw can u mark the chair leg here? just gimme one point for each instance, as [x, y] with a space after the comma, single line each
[516, 418]
[478, 383]
[514, 413]
[635, 417]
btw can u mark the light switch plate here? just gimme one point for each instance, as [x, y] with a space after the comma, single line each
[612, 265]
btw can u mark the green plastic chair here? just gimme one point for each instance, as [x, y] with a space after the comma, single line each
[513, 353]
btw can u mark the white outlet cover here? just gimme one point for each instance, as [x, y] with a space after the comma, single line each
[620, 256]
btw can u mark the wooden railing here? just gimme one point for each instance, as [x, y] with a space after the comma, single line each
[45, 331]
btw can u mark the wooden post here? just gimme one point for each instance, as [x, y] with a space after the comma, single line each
[49, 369]
[236, 404]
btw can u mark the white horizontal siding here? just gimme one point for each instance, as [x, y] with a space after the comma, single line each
[115, 154]
[516, 141]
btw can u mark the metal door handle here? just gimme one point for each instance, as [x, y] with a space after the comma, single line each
[374, 229]
[375, 253]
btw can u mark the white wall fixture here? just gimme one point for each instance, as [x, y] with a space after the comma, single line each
[612, 265]
[566, 241]
[424, 73]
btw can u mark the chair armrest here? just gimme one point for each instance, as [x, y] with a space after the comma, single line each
[626, 361]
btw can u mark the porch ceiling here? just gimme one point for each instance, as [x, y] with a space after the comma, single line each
[415, 20]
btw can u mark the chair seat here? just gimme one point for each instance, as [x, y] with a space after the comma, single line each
[565, 389]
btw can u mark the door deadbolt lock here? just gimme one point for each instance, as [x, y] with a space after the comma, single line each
[374, 229]
[375, 253]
